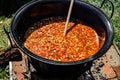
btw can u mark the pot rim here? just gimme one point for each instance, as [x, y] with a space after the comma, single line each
[105, 47]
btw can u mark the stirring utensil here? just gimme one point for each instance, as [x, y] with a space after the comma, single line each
[68, 17]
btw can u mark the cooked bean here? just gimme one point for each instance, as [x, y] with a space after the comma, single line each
[48, 40]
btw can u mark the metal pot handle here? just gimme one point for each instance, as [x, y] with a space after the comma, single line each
[112, 6]
[9, 37]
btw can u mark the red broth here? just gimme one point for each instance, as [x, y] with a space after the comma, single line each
[46, 39]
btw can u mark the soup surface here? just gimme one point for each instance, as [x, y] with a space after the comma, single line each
[45, 38]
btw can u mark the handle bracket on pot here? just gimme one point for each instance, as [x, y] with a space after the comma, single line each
[8, 35]
[112, 6]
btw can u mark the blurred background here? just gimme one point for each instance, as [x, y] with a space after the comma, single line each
[9, 7]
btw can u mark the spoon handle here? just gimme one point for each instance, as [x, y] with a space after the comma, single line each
[68, 17]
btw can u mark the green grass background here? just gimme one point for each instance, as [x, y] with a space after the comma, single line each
[7, 11]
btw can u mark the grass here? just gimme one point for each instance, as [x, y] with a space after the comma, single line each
[3, 38]
[4, 69]
[4, 72]
[116, 22]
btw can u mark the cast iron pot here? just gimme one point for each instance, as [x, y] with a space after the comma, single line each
[36, 10]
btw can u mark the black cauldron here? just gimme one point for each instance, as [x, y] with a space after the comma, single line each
[38, 9]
